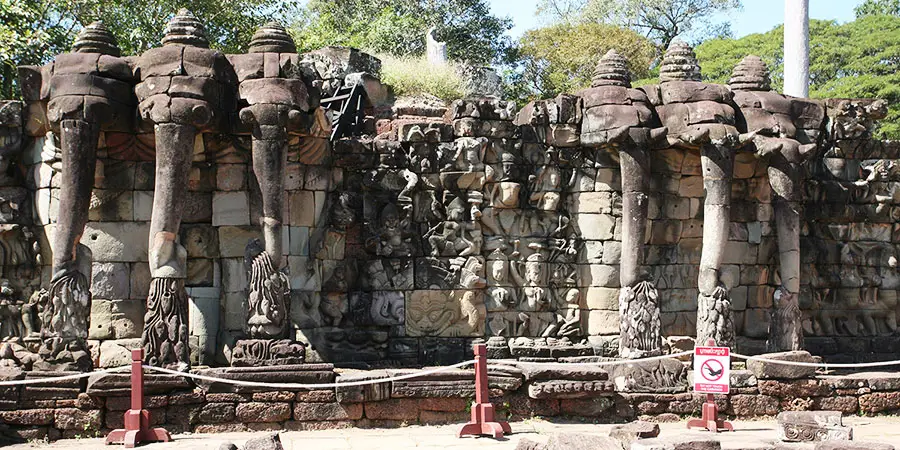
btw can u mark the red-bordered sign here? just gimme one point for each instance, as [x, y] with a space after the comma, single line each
[712, 373]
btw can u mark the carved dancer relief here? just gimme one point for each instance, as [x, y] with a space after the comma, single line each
[89, 89]
[171, 78]
[620, 118]
[275, 103]
[768, 117]
[705, 121]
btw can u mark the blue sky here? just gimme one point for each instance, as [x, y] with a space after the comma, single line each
[757, 16]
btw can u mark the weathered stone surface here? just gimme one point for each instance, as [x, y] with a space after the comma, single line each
[263, 412]
[569, 389]
[858, 445]
[767, 370]
[806, 426]
[327, 411]
[572, 441]
[631, 432]
[395, 409]
[270, 442]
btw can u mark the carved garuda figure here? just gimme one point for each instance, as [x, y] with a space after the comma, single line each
[700, 115]
[183, 88]
[770, 117]
[618, 117]
[90, 90]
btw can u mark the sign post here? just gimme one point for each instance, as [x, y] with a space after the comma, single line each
[712, 375]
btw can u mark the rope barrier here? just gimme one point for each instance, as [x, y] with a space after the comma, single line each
[62, 378]
[309, 386]
[428, 372]
[620, 362]
[817, 365]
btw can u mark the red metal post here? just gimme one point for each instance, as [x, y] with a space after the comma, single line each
[137, 419]
[483, 421]
[710, 412]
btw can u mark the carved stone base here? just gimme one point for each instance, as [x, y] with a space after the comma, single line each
[715, 318]
[67, 308]
[662, 376]
[639, 329]
[812, 426]
[63, 355]
[165, 336]
[267, 352]
[267, 314]
[785, 326]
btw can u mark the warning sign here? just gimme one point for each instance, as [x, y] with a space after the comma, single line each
[712, 370]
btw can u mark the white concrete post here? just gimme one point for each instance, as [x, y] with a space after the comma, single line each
[796, 48]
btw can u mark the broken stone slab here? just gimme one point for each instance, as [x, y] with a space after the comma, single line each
[528, 444]
[678, 443]
[631, 432]
[561, 371]
[294, 373]
[768, 370]
[661, 376]
[812, 426]
[369, 393]
[853, 445]
[119, 384]
[566, 389]
[575, 441]
[269, 442]
[453, 383]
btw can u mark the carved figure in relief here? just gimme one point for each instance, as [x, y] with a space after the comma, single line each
[456, 236]
[500, 289]
[533, 282]
[392, 239]
[546, 185]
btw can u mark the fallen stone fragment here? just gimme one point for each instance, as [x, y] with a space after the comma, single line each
[677, 443]
[574, 441]
[630, 432]
[857, 445]
[812, 426]
[528, 444]
[767, 370]
[270, 442]
[228, 446]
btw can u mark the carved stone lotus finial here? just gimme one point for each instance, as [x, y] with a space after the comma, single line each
[751, 74]
[612, 70]
[96, 38]
[185, 29]
[272, 38]
[679, 63]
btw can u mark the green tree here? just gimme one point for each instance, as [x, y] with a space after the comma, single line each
[660, 20]
[875, 7]
[398, 27]
[858, 59]
[29, 31]
[34, 31]
[561, 58]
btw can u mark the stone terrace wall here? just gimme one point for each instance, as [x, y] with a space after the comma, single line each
[445, 224]
[75, 410]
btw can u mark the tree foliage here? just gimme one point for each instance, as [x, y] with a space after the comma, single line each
[398, 27]
[876, 7]
[858, 59]
[33, 31]
[561, 58]
[660, 20]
